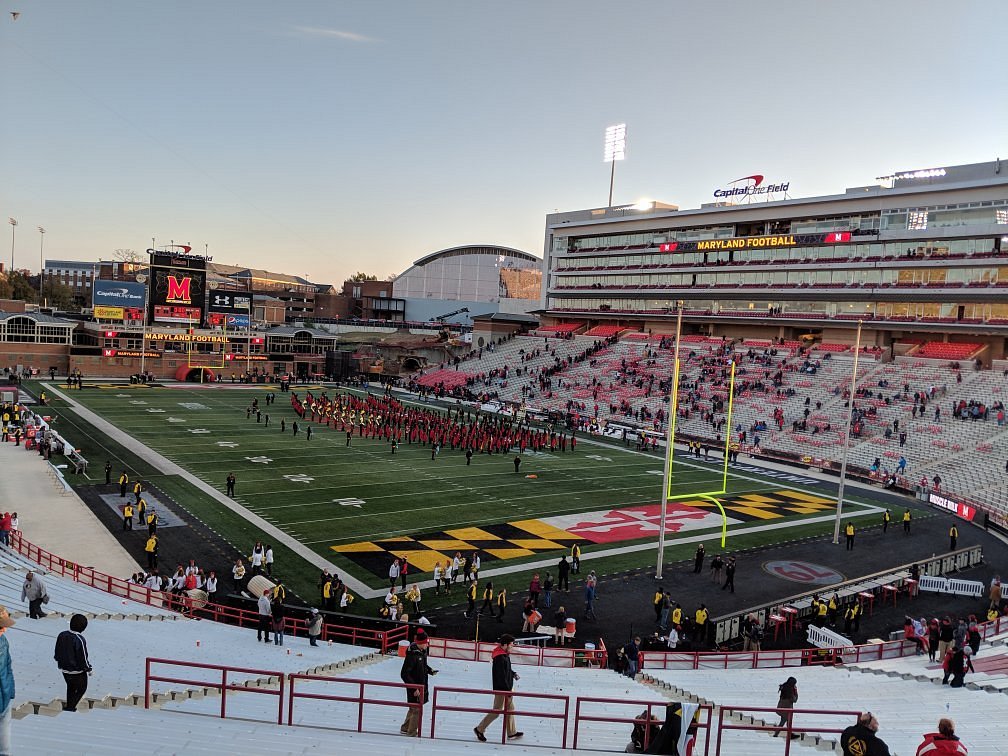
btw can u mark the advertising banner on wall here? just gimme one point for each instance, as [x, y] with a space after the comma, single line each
[119, 294]
[101, 312]
[177, 288]
[230, 322]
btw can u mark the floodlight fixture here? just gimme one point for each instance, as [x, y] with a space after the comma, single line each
[615, 143]
[615, 149]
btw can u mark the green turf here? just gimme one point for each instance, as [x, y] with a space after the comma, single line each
[399, 495]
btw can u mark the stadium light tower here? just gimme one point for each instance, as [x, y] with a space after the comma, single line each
[13, 223]
[615, 149]
[850, 422]
[41, 269]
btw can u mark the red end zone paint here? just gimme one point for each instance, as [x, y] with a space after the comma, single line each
[629, 523]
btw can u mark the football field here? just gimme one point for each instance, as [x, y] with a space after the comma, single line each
[359, 505]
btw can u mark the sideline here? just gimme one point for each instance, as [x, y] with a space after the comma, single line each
[168, 467]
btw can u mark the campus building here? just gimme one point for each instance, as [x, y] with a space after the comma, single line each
[921, 253]
[482, 279]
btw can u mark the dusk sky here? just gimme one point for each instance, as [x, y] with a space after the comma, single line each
[322, 138]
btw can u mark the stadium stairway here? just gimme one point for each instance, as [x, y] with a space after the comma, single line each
[990, 663]
[127, 732]
[906, 709]
[67, 597]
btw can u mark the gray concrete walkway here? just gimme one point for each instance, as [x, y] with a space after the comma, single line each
[54, 518]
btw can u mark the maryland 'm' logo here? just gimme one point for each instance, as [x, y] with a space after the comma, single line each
[178, 290]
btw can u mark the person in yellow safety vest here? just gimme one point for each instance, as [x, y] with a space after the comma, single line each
[848, 618]
[471, 596]
[142, 510]
[488, 597]
[886, 519]
[501, 603]
[152, 551]
[279, 593]
[700, 617]
[327, 595]
[677, 616]
[123, 482]
[152, 523]
[849, 532]
[575, 559]
[128, 517]
[658, 598]
[822, 608]
[906, 522]
[137, 490]
[832, 608]
[953, 537]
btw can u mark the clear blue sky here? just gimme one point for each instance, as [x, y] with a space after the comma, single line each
[326, 137]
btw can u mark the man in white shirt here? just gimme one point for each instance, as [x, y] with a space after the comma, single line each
[673, 638]
[269, 561]
[265, 617]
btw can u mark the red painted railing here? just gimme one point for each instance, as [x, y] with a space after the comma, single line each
[436, 707]
[183, 604]
[223, 686]
[775, 658]
[539, 656]
[360, 700]
[788, 728]
[579, 717]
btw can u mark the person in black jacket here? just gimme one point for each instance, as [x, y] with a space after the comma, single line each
[563, 580]
[72, 659]
[503, 682]
[414, 672]
[861, 740]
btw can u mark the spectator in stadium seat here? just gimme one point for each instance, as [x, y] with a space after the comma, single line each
[942, 742]
[861, 739]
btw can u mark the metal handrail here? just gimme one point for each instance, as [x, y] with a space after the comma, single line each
[788, 728]
[579, 717]
[223, 686]
[508, 694]
[360, 699]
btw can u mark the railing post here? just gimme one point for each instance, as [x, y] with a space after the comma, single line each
[563, 743]
[280, 702]
[360, 706]
[223, 694]
[721, 713]
[433, 713]
[147, 683]
[290, 700]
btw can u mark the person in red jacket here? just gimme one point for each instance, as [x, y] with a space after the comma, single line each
[942, 742]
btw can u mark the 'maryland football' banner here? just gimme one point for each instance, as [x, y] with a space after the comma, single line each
[177, 289]
[119, 294]
[757, 242]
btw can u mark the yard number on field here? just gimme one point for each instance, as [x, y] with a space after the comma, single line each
[349, 502]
